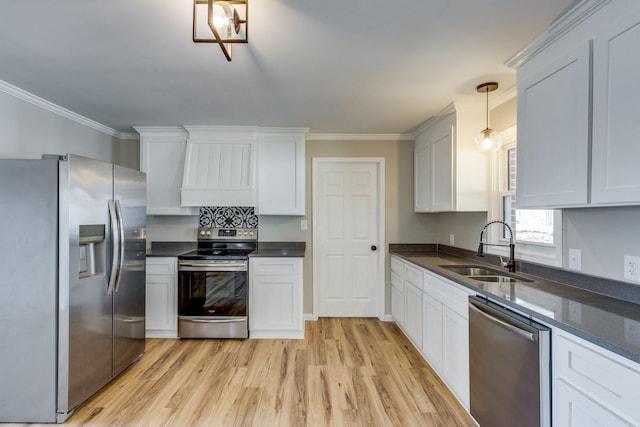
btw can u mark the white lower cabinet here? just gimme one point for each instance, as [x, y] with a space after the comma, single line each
[445, 342]
[275, 298]
[161, 305]
[455, 352]
[433, 313]
[397, 291]
[592, 386]
[432, 331]
[413, 313]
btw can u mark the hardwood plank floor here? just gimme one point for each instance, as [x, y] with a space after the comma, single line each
[346, 372]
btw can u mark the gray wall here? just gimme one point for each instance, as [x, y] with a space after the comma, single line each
[28, 131]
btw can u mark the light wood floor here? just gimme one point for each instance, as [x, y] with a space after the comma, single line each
[346, 372]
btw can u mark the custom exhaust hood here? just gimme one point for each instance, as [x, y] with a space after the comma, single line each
[219, 166]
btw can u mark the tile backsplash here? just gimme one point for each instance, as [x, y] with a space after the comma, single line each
[228, 217]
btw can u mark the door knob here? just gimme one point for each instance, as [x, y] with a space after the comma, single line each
[374, 247]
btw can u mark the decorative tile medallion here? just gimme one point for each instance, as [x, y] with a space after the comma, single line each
[228, 217]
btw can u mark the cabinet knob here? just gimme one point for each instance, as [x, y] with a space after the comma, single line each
[374, 247]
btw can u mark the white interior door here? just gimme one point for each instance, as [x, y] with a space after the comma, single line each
[348, 246]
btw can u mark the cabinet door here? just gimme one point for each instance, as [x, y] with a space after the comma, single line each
[574, 409]
[160, 303]
[455, 353]
[553, 133]
[397, 304]
[442, 172]
[275, 298]
[422, 174]
[281, 174]
[616, 128]
[413, 314]
[275, 303]
[432, 331]
[162, 156]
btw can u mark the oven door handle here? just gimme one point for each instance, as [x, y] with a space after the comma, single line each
[217, 320]
[210, 268]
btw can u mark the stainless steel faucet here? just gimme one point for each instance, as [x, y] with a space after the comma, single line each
[511, 264]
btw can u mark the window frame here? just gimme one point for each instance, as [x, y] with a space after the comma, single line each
[542, 253]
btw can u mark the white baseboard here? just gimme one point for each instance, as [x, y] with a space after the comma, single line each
[386, 318]
[311, 316]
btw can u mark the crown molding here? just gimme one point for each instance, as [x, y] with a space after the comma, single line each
[359, 137]
[557, 29]
[23, 95]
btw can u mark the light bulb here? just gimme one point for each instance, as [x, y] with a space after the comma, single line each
[225, 19]
[487, 141]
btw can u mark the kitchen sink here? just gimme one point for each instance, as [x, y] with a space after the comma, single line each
[468, 270]
[484, 274]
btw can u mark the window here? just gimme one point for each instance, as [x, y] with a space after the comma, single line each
[537, 232]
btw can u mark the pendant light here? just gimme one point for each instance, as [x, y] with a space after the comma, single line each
[222, 22]
[488, 140]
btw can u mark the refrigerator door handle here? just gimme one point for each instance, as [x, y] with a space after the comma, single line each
[115, 237]
[121, 241]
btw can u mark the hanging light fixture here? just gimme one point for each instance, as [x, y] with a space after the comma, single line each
[222, 22]
[488, 140]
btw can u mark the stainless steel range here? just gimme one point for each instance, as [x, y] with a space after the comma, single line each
[213, 284]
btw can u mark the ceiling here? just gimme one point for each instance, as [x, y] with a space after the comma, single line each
[347, 67]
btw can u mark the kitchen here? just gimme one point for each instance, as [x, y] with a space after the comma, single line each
[604, 235]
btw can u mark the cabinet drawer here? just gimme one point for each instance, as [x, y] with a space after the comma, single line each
[396, 281]
[414, 276]
[397, 266]
[161, 265]
[277, 266]
[451, 295]
[603, 376]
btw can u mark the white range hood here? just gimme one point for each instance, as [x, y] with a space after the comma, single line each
[219, 166]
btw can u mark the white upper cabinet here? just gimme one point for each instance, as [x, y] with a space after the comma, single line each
[449, 174]
[281, 172]
[578, 129]
[616, 125]
[162, 151]
[192, 166]
[219, 166]
[553, 132]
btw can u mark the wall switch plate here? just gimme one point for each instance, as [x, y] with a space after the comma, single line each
[632, 268]
[303, 224]
[452, 239]
[575, 259]
[575, 312]
[632, 332]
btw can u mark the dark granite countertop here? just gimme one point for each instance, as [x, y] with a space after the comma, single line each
[265, 249]
[169, 249]
[279, 249]
[600, 319]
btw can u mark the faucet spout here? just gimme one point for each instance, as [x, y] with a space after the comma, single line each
[511, 264]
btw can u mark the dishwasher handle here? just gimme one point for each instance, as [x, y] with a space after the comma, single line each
[513, 328]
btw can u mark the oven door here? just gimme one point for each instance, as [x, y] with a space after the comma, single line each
[212, 289]
[212, 299]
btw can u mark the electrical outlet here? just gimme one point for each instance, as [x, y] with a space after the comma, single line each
[632, 268]
[575, 312]
[303, 224]
[452, 239]
[575, 259]
[632, 332]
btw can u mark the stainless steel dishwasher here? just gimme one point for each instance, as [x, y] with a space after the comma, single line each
[509, 367]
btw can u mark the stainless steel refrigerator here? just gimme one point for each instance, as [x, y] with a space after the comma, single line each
[72, 282]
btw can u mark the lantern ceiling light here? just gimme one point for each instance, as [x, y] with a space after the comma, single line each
[222, 22]
[488, 140]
